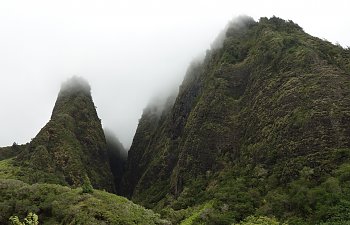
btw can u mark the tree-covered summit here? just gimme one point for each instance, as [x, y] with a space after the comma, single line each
[70, 146]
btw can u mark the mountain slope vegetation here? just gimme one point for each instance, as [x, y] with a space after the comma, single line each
[260, 127]
[259, 133]
[56, 204]
[71, 146]
[54, 175]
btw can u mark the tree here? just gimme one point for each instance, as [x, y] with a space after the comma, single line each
[87, 187]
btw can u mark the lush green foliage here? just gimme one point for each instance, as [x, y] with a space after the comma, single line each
[7, 169]
[87, 187]
[31, 219]
[260, 127]
[258, 134]
[55, 204]
[11, 151]
[70, 146]
[261, 220]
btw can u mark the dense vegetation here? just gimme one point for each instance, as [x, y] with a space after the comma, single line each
[71, 146]
[260, 127]
[117, 155]
[56, 204]
[71, 151]
[259, 133]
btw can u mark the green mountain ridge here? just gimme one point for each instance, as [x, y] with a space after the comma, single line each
[259, 133]
[67, 154]
[260, 127]
[71, 145]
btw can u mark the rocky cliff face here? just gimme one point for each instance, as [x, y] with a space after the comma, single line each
[266, 109]
[117, 155]
[71, 145]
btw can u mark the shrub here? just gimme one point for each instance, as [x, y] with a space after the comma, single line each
[87, 187]
[31, 219]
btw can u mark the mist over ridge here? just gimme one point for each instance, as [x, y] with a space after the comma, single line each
[75, 84]
[128, 52]
[200, 112]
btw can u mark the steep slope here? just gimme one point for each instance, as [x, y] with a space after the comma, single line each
[149, 130]
[117, 155]
[55, 204]
[60, 162]
[261, 126]
[70, 146]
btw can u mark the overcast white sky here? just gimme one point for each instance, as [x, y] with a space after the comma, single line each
[128, 50]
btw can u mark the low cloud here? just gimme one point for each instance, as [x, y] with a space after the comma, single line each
[75, 84]
[235, 25]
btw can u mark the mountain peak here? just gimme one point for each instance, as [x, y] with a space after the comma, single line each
[75, 99]
[267, 108]
[72, 142]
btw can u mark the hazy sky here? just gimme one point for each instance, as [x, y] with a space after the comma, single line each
[128, 50]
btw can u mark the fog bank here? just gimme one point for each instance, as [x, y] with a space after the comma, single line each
[129, 51]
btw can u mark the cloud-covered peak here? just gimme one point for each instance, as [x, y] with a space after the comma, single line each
[74, 85]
